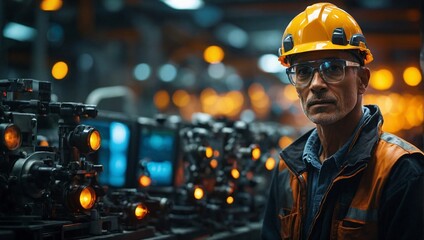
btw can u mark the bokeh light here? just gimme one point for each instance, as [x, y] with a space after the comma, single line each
[213, 54]
[381, 79]
[412, 76]
[59, 70]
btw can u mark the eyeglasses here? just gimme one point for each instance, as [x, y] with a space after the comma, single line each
[331, 70]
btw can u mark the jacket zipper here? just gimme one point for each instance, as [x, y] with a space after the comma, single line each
[328, 190]
[355, 137]
[302, 203]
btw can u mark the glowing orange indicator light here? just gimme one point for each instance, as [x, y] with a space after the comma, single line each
[270, 163]
[198, 193]
[144, 181]
[140, 211]
[235, 173]
[43, 143]
[256, 153]
[209, 152]
[95, 140]
[12, 137]
[87, 198]
[213, 163]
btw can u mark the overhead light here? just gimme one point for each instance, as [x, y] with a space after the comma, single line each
[19, 32]
[184, 5]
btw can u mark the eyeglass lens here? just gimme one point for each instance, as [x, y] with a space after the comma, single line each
[330, 71]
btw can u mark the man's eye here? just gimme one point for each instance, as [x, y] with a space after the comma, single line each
[303, 71]
[334, 68]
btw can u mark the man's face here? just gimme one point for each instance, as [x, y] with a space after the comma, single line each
[327, 103]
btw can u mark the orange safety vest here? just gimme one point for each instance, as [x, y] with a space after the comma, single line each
[363, 210]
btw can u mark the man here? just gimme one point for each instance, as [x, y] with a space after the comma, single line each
[345, 179]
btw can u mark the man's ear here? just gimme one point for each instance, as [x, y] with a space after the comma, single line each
[364, 78]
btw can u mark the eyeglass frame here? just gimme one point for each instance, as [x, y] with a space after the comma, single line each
[347, 63]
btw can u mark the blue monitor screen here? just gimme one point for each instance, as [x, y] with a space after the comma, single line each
[113, 153]
[157, 154]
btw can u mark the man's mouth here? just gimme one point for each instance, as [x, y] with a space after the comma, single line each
[320, 102]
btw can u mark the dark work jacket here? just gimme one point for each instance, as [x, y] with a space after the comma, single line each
[378, 193]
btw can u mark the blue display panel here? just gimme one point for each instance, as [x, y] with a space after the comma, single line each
[157, 153]
[114, 151]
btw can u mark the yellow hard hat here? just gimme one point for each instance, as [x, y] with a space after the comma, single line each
[323, 26]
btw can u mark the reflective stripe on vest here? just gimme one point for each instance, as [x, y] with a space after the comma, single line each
[398, 141]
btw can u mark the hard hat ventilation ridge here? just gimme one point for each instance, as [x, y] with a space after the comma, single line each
[339, 37]
[288, 43]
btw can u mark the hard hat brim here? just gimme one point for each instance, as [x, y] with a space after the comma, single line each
[319, 46]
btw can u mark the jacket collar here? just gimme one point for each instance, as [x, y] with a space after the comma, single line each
[360, 150]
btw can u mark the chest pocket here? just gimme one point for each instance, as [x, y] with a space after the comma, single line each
[358, 224]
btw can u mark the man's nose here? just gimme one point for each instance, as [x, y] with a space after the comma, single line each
[317, 81]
